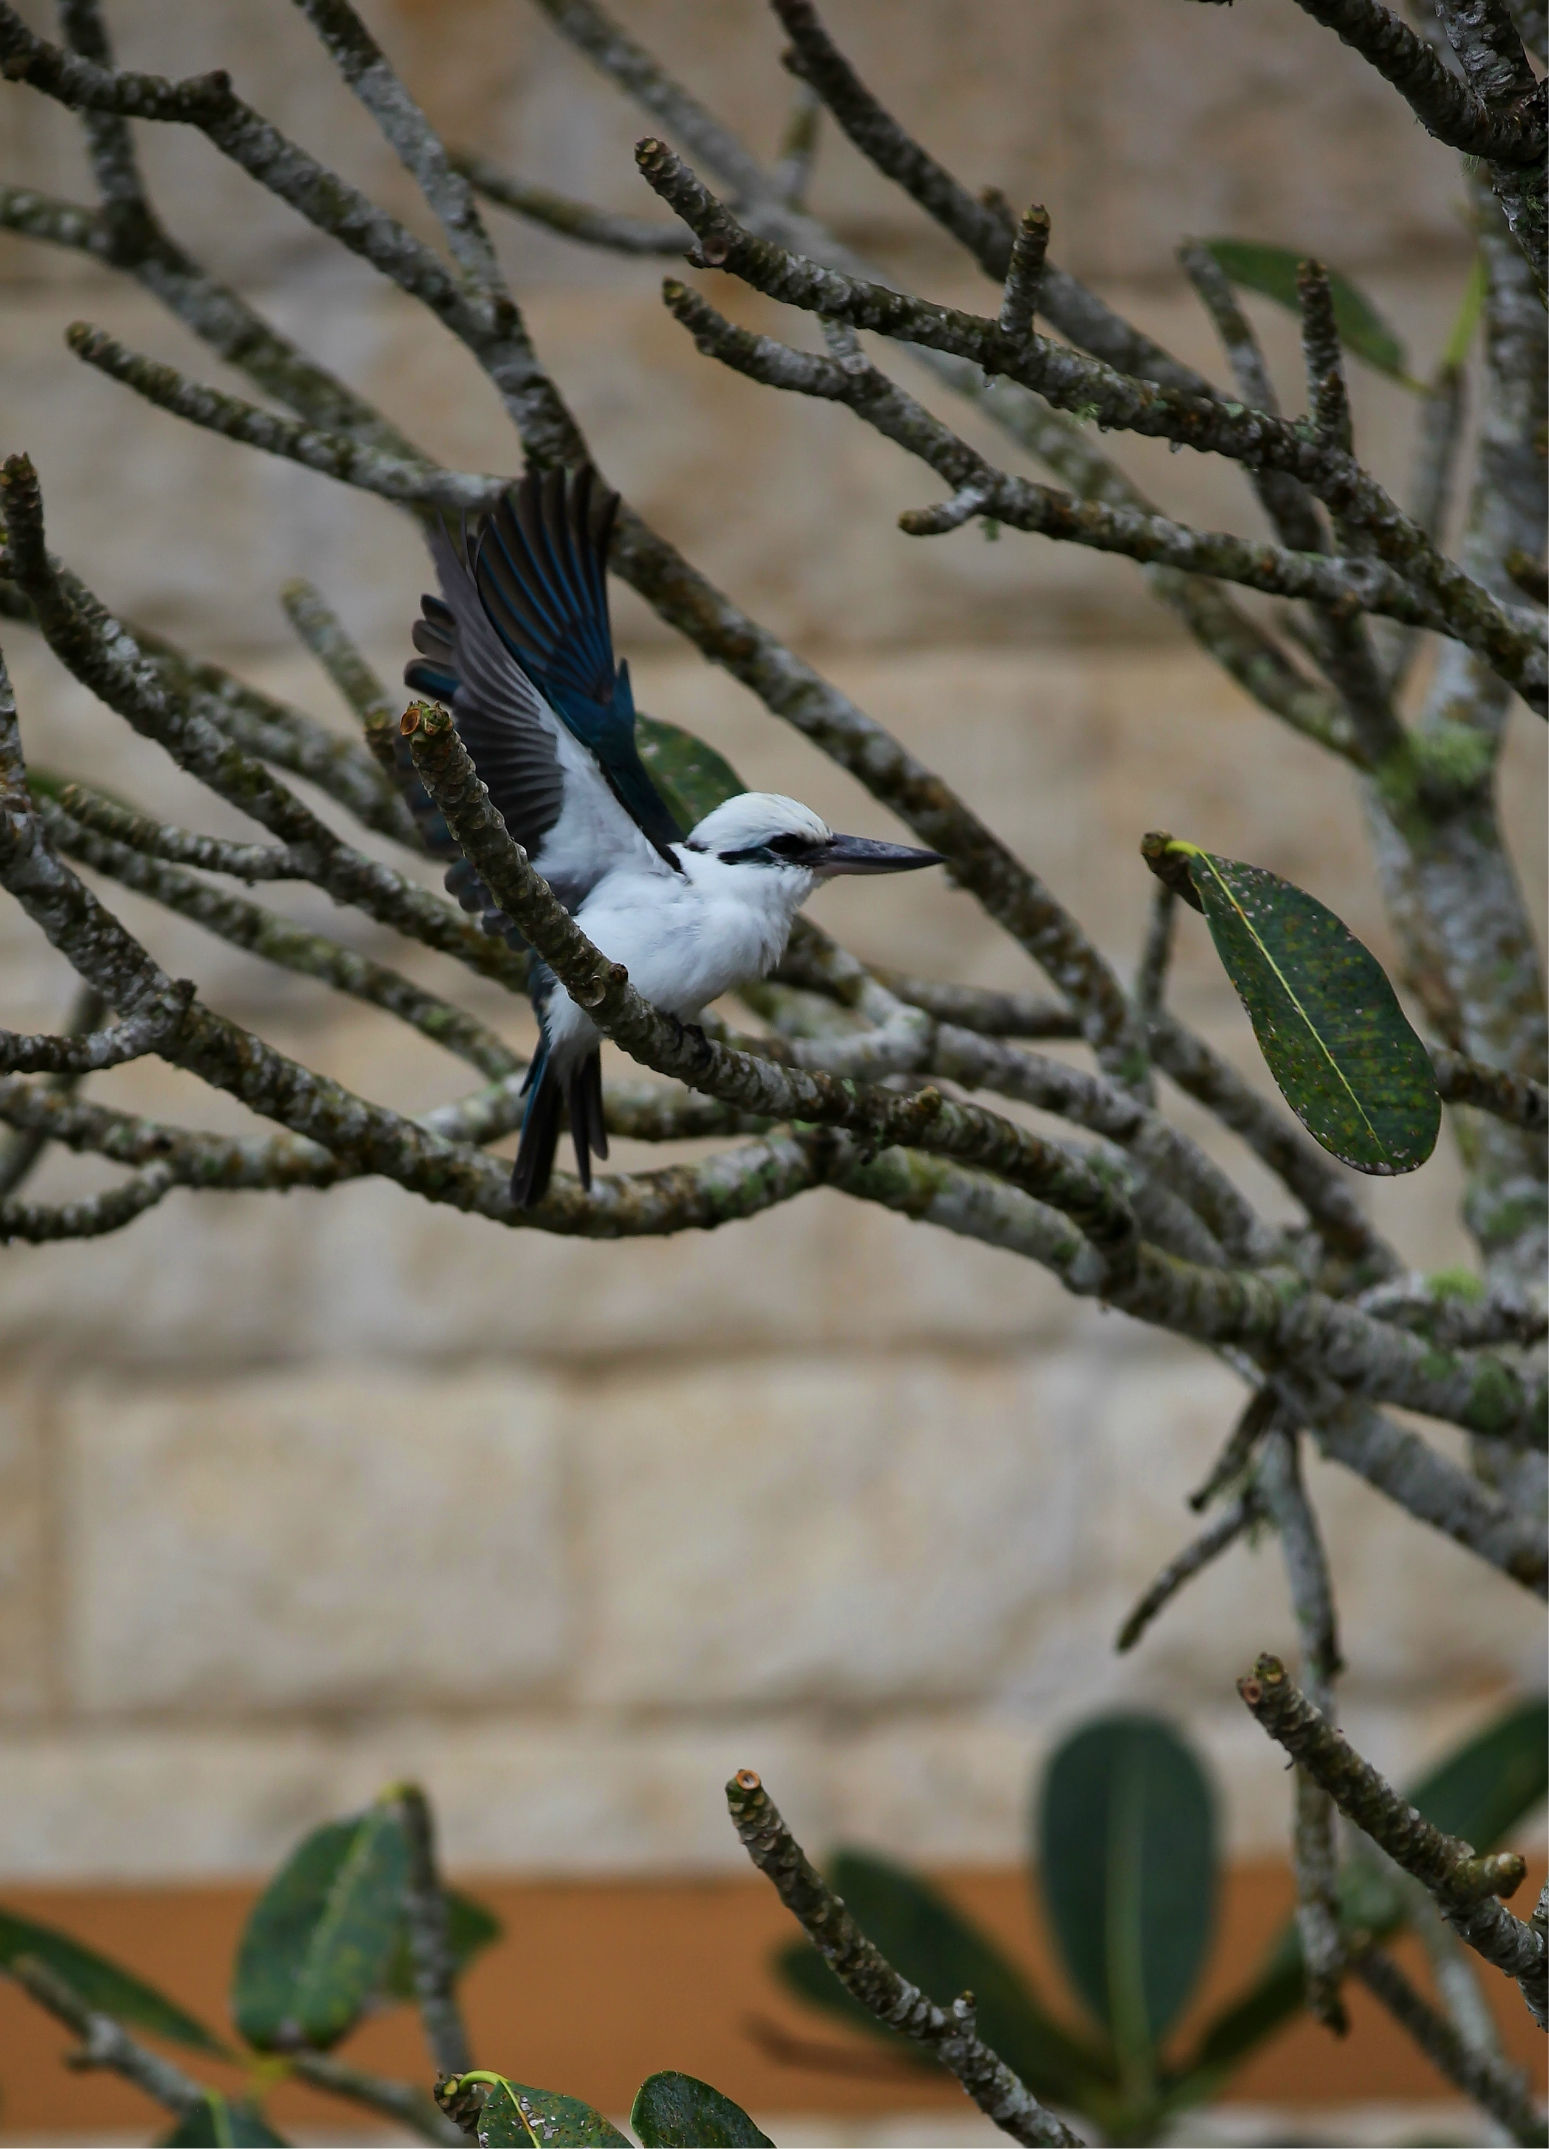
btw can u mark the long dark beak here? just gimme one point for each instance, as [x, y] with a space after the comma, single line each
[859, 854]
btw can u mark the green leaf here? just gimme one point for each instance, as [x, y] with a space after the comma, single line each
[1493, 1781]
[939, 1950]
[692, 777]
[1271, 271]
[1470, 307]
[676, 2111]
[319, 1942]
[1327, 1020]
[1481, 1792]
[218, 2122]
[103, 1985]
[1127, 1863]
[470, 1929]
[512, 2113]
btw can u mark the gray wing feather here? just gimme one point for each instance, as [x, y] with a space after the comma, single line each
[499, 714]
[550, 791]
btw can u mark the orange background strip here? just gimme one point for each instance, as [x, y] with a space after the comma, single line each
[597, 1984]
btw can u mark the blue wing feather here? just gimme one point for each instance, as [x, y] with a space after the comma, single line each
[542, 578]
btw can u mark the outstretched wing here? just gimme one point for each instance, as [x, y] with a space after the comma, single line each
[541, 566]
[550, 791]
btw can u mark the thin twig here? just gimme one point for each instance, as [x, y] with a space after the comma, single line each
[1498, 2088]
[430, 1944]
[572, 219]
[1235, 1520]
[1464, 1883]
[336, 455]
[1278, 1477]
[104, 2042]
[869, 1978]
[1070, 381]
[1514, 1098]
[292, 947]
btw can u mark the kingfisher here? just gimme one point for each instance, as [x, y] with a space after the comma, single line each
[519, 647]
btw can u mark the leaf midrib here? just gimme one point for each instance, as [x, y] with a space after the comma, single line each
[1285, 984]
[335, 1907]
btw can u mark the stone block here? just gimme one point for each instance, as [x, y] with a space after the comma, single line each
[28, 1557]
[348, 1541]
[827, 1530]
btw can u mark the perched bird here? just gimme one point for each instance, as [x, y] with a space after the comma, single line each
[518, 646]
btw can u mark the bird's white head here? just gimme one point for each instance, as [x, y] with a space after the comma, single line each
[769, 834]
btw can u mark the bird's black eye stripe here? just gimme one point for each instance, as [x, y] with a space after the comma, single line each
[778, 851]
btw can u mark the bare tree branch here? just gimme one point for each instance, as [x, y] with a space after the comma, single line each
[1232, 1523]
[1500, 2089]
[1278, 1477]
[1514, 1098]
[571, 219]
[1445, 107]
[104, 2042]
[1073, 382]
[1464, 1884]
[430, 1946]
[868, 1976]
[335, 455]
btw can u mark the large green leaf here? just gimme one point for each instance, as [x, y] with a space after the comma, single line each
[321, 1938]
[675, 2111]
[1127, 1864]
[102, 1984]
[470, 1929]
[1480, 1792]
[692, 778]
[1271, 270]
[1493, 1781]
[1326, 1018]
[939, 1950]
[513, 2114]
[219, 2122]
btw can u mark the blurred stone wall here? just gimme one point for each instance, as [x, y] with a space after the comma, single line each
[300, 1494]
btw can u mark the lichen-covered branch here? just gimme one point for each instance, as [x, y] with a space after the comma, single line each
[155, 1022]
[1464, 1884]
[870, 1978]
[1451, 110]
[1511, 644]
[1315, 1849]
[335, 455]
[1495, 2086]
[292, 947]
[1406, 1469]
[92, 1216]
[430, 1946]
[1274, 1314]
[981, 489]
[400, 2102]
[106, 2043]
[103, 657]
[1518, 1100]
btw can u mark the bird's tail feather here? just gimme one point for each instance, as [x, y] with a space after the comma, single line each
[587, 1129]
[540, 1134]
[549, 1101]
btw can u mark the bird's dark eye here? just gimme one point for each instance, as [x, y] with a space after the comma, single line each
[787, 846]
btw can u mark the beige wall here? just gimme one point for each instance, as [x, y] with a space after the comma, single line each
[300, 1494]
